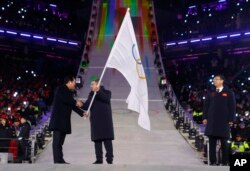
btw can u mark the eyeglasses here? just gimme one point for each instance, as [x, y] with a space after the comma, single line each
[215, 79]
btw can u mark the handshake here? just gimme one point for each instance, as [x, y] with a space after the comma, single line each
[79, 103]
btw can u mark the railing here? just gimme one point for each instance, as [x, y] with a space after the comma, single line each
[17, 150]
[14, 150]
[89, 41]
[182, 119]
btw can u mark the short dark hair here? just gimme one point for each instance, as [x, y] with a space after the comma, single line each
[68, 78]
[222, 77]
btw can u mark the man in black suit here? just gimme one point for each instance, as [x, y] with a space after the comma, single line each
[23, 138]
[60, 122]
[218, 116]
[102, 131]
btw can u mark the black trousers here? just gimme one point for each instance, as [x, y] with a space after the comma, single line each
[224, 150]
[109, 150]
[58, 141]
[23, 149]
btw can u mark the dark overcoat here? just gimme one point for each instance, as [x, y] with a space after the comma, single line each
[219, 109]
[100, 115]
[63, 104]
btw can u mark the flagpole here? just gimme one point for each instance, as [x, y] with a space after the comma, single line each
[104, 69]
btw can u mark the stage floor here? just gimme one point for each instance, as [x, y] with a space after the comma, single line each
[163, 145]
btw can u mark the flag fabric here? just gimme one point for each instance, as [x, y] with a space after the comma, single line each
[125, 58]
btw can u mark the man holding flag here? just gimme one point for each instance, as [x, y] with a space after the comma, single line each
[125, 58]
[101, 122]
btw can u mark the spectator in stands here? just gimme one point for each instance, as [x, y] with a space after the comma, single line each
[30, 114]
[16, 127]
[23, 138]
[42, 106]
[239, 145]
[218, 116]
[5, 135]
[243, 131]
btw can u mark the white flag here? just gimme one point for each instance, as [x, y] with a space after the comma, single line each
[125, 57]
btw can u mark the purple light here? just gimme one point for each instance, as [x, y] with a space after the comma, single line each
[11, 32]
[51, 39]
[183, 42]
[1, 31]
[241, 52]
[222, 0]
[62, 41]
[53, 5]
[247, 33]
[38, 37]
[195, 40]
[222, 37]
[207, 39]
[73, 43]
[25, 35]
[170, 44]
[192, 6]
[235, 35]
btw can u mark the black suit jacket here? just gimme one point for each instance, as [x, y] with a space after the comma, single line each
[24, 131]
[63, 105]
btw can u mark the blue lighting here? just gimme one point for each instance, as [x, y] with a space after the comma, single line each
[222, 0]
[192, 6]
[38, 37]
[52, 5]
[207, 39]
[235, 35]
[183, 42]
[51, 39]
[11, 32]
[195, 40]
[170, 44]
[222, 37]
[73, 43]
[247, 33]
[62, 41]
[25, 35]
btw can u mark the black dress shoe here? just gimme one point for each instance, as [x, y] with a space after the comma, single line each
[98, 162]
[213, 164]
[109, 162]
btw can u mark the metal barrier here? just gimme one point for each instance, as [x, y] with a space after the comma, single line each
[16, 149]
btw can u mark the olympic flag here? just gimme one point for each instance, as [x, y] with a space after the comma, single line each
[125, 58]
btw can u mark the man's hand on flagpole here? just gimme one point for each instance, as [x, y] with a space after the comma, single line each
[85, 115]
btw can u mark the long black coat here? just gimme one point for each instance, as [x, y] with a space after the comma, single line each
[63, 105]
[5, 134]
[100, 115]
[219, 109]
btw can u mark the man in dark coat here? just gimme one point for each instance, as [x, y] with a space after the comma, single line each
[23, 138]
[102, 131]
[218, 115]
[5, 135]
[60, 122]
